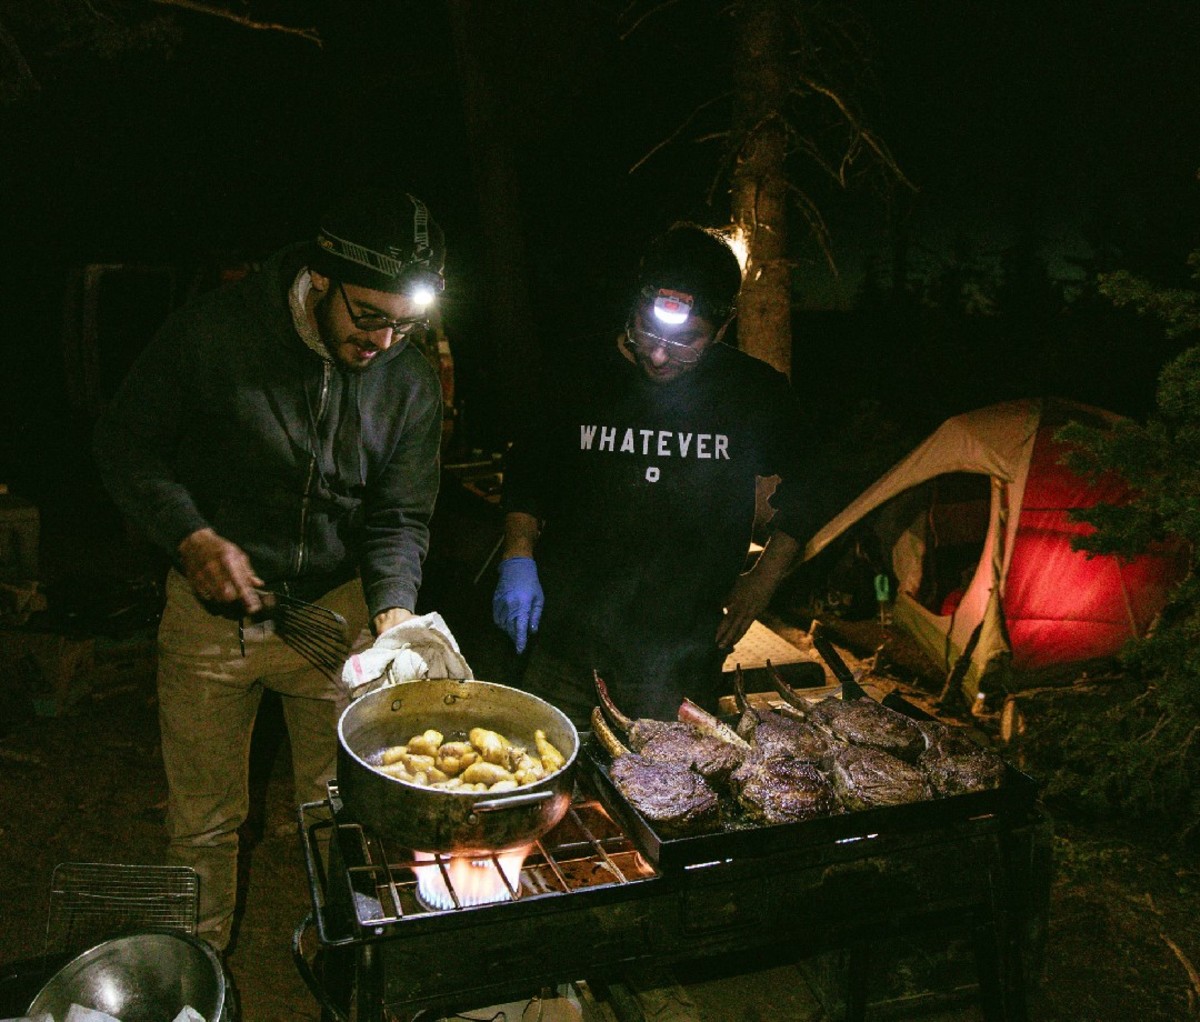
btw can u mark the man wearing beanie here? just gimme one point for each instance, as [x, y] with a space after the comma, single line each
[630, 505]
[281, 434]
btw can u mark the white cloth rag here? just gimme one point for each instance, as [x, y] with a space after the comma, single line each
[421, 647]
[79, 1013]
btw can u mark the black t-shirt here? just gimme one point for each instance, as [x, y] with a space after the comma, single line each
[647, 492]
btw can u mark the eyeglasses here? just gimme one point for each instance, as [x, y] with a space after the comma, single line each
[677, 351]
[372, 321]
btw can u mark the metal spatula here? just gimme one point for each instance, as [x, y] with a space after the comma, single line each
[317, 633]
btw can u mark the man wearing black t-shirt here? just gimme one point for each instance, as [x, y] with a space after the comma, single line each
[630, 501]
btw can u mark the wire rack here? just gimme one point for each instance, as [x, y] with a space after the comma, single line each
[93, 901]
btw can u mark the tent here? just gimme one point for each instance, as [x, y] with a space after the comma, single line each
[976, 523]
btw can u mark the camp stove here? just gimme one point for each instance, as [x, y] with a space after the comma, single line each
[601, 892]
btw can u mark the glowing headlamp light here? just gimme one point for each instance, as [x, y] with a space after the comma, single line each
[422, 296]
[672, 307]
[424, 286]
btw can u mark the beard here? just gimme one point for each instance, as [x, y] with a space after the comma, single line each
[323, 313]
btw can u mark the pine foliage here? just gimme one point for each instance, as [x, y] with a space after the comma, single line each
[1141, 756]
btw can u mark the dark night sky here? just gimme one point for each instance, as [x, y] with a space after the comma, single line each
[1015, 116]
[1040, 117]
[998, 112]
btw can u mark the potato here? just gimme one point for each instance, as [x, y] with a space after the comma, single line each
[486, 774]
[493, 747]
[454, 757]
[426, 744]
[552, 759]
[394, 754]
[528, 769]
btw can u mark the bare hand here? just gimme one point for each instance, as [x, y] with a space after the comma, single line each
[219, 571]
[389, 618]
[749, 597]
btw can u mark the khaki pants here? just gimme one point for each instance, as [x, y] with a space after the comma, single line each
[209, 695]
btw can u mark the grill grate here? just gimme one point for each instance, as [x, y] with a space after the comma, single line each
[585, 850]
[93, 901]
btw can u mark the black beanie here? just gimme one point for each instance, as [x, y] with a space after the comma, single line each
[697, 262]
[379, 239]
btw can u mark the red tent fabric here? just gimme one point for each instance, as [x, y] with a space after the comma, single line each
[1061, 606]
[1019, 596]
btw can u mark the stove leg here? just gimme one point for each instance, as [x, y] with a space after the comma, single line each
[648, 992]
[1000, 973]
[369, 986]
[858, 968]
[335, 967]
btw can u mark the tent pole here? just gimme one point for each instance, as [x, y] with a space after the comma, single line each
[1133, 630]
[951, 696]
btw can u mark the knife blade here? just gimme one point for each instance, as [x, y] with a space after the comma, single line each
[851, 689]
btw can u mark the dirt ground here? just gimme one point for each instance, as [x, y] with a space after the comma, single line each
[86, 785]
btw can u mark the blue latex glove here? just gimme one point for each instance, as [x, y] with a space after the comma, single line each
[518, 599]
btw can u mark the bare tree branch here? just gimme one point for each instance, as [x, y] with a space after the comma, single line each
[646, 14]
[816, 224]
[677, 132]
[803, 143]
[1186, 962]
[722, 171]
[868, 138]
[245, 21]
[23, 78]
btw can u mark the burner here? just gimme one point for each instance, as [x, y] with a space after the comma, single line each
[445, 882]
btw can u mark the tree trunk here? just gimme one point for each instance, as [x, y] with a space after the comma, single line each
[512, 352]
[759, 186]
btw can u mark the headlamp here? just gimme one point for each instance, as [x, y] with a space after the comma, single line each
[672, 307]
[423, 286]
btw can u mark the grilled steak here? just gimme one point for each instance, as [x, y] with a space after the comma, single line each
[864, 722]
[712, 758]
[772, 734]
[671, 796]
[643, 730]
[782, 789]
[945, 741]
[865, 777]
[954, 764]
[956, 775]
[697, 740]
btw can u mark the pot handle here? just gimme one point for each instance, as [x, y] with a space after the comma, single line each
[525, 798]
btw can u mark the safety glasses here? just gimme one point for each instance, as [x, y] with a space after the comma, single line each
[647, 342]
[372, 321]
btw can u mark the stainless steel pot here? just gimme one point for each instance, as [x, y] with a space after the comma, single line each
[433, 820]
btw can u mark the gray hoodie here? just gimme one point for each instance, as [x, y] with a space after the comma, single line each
[228, 420]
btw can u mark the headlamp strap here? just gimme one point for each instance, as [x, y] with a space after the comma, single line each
[421, 247]
[389, 263]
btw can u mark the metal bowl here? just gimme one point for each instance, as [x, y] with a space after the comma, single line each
[148, 976]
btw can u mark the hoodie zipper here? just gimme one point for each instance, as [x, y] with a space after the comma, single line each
[322, 403]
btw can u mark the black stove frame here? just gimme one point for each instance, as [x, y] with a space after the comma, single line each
[986, 874]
